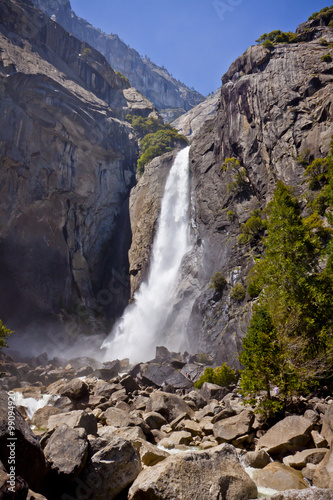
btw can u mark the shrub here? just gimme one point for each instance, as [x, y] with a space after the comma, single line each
[268, 44]
[324, 13]
[323, 41]
[317, 173]
[253, 290]
[231, 215]
[4, 333]
[330, 24]
[277, 36]
[303, 158]
[326, 58]
[87, 52]
[120, 75]
[238, 292]
[223, 376]
[218, 282]
[252, 230]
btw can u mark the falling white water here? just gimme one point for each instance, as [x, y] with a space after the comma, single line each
[143, 323]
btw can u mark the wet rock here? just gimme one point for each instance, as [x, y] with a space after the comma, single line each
[204, 474]
[74, 419]
[110, 470]
[129, 384]
[229, 429]
[29, 458]
[290, 434]
[279, 477]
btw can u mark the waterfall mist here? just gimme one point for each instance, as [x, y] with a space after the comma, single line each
[144, 323]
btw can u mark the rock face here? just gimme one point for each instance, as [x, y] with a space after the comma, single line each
[153, 81]
[273, 105]
[204, 475]
[67, 166]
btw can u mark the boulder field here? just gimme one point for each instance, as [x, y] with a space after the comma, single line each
[92, 431]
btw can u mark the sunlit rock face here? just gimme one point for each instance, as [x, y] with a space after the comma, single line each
[67, 164]
[154, 82]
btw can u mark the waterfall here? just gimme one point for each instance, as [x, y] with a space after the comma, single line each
[144, 322]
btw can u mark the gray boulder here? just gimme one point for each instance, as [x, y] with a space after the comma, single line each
[170, 406]
[74, 419]
[205, 475]
[290, 434]
[67, 452]
[229, 429]
[279, 477]
[75, 389]
[212, 391]
[109, 471]
[257, 459]
[302, 458]
[154, 420]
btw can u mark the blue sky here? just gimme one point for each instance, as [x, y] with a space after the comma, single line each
[196, 40]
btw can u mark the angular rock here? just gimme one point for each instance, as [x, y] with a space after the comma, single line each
[319, 440]
[290, 434]
[106, 389]
[302, 458]
[323, 475]
[129, 433]
[190, 426]
[74, 419]
[212, 391]
[41, 416]
[257, 459]
[67, 452]
[130, 384]
[75, 389]
[175, 439]
[29, 458]
[117, 417]
[170, 406]
[35, 496]
[154, 420]
[206, 475]
[110, 471]
[20, 486]
[279, 477]
[231, 428]
[149, 454]
[195, 400]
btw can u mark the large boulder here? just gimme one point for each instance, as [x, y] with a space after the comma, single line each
[109, 471]
[41, 416]
[29, 458]
[7, 484]
[279, 477]
[67, 452]
[323, 475]
[175, 439]
[229, 429]
[213, 391]
[290, 434]
[74, 419]
[216, 473]
[157, 375]
[170, 406]
[149, 454]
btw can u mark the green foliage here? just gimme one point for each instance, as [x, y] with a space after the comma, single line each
[326, 58]
[293, 300]
[267, 44]
[320, 176]
[218, 282]
[330, 24]
[303, 158]
[230, 164]
[323, 42]
[253, 290]
[223, 376]
[158, 143]
[252, 230]
[277, 36]
[324, 13]
[122, 77]
[317, 173]
[4, 333]
[239, 180]
[231, 215]
[238, 292]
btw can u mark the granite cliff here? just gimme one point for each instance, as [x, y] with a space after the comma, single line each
[274, 104]
[170, 96]
[68, 162]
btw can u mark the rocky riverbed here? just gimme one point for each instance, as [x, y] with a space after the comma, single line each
[91, 431]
